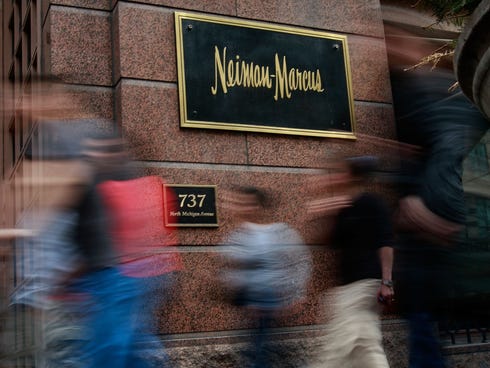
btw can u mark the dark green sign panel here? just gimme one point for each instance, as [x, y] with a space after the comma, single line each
[242, 75]
[196, 206]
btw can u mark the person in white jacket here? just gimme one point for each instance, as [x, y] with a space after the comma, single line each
[269, 268]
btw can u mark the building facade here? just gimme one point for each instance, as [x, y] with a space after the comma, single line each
[123, 57]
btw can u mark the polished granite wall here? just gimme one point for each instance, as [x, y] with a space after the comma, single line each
[122, 54]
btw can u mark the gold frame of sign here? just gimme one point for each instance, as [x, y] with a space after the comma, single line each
[187, 122]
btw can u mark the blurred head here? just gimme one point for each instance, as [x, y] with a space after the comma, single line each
[109, 154]
[248, 203]
[362, 168]
[56, 164]
[105, 150]
[49, 98]
[408, 46]
[351, 171]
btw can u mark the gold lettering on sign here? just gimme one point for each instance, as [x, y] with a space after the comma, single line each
[239, 73]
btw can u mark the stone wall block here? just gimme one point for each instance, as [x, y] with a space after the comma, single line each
[80, 45]
[351, 16]
[145, 45]
[150, 121]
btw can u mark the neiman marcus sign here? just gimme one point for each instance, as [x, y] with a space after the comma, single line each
[254, 76]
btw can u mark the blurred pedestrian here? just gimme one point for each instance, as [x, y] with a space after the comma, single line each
[431, 215]
[269, 266]
[108, 296]
[146, 246]
[361, 233]
[46, 258]
[111, 333]
[49, 254]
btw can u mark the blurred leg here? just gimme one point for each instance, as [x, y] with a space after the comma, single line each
[425, 351]
[262, 356]
[109, 327]
[149, 345]
[353, 333]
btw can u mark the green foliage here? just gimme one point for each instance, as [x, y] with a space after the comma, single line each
[454, 11]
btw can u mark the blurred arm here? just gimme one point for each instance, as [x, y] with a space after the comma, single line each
[8, 234]
[386, 261]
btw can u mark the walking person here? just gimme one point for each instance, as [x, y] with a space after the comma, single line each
[111, 336]
[361, 233]
[269, 267]
[445, 126]
[51, 254]
[147, 248]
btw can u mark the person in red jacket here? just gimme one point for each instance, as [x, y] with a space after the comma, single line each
[146, 247]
